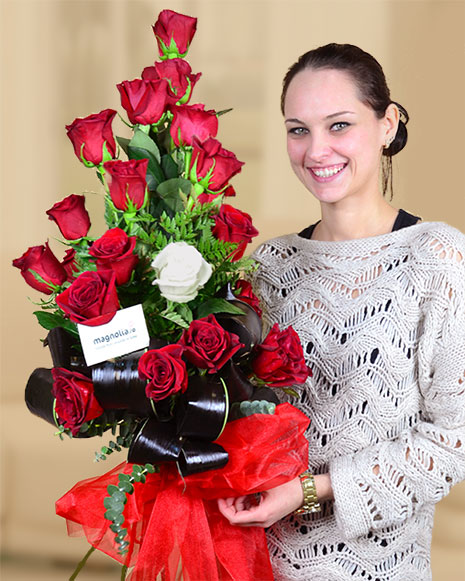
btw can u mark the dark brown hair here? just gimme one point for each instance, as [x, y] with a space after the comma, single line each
[370, 81]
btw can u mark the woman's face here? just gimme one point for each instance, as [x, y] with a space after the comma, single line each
[334, 140]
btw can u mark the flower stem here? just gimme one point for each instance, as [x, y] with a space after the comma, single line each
[81, 564]
[124, 570]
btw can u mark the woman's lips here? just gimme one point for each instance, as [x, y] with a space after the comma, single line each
[328, 173]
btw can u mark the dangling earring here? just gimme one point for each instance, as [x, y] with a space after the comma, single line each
[389, 140]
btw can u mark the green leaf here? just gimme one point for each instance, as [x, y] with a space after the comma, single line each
[175, 318]
[111, 488]
[185, 312]
[169, 167]
[123, 143]
[290, 391]
[126, 487]
[118, 520]
[142, 146]
[142, 141]
[119, 496]
[171, 193]
[51, 320]
[121, 534]
[217, 305]
[112, 515]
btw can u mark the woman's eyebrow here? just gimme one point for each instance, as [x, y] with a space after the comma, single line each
[337, 114]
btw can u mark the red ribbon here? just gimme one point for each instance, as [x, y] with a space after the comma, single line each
[174, 523]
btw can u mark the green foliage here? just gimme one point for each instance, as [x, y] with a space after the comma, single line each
[214, 306]
[117, 499]
[50, 320]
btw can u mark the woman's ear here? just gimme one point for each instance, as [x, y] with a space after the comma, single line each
[391, 122]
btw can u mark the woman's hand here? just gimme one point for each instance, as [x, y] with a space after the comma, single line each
[273, 504]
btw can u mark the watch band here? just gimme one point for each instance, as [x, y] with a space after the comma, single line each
[310, 503]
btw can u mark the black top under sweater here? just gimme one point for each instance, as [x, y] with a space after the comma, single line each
[403, 220]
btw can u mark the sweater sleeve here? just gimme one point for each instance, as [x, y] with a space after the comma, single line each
[383, 485]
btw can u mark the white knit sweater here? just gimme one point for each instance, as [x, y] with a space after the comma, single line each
[382, 324]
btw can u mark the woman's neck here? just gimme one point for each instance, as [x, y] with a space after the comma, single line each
[349, 221]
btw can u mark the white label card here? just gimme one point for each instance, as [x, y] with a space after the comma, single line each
[125, 333]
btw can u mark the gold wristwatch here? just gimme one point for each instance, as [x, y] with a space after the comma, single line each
[310, 503]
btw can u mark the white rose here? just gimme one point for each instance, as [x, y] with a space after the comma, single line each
[181, 271]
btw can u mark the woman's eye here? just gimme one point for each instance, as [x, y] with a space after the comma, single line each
[339, 125]
[297, 131]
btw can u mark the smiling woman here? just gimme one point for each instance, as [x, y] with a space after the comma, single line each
[378, 301]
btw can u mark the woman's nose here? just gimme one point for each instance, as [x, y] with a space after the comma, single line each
[318, 148]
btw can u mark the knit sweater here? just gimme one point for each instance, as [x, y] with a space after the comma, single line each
[382, 325]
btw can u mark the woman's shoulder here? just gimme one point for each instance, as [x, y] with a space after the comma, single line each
[276, 250]
[439, 244]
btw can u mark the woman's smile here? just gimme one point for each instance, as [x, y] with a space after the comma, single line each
[327, 173]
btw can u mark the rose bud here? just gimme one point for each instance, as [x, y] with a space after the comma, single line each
[243, 291]
[91, 299]
[191, 121]
[174, 33]
[42, 261]
[69, 264]
[75, 399]
[232, 225]
[182, 271]
[279, 360]
[127, 180]
[144, 101]
[207, 345]
[165, 370]
[71, 217]
[115, 251]
[92, 137]
[213, 166]
[178, 74]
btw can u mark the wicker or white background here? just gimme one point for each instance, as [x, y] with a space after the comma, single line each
[62, 59]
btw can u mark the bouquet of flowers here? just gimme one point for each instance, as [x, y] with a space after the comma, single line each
[156, 336]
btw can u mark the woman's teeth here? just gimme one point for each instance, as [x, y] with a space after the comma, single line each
[327, 172]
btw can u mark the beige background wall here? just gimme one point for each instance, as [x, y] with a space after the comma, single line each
[62, 59]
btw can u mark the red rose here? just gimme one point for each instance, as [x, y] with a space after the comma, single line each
[127, 179]
[178, 74]
[95, 134]
[41, 260]
[75, 399]
[191, 121]
[91, 299]
[243, 291]
[232, 225]
[174, 33]
[144, 101]
[207, 345]
[115, 251]
[165, 370]
[279, 360]
[212, 165]
[69, 264]
[71, 217]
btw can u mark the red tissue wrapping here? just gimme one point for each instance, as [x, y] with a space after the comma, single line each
[173, 523]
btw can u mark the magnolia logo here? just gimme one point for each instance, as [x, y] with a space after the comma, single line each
[116, 335]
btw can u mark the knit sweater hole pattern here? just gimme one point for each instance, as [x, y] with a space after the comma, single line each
[382, 325]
